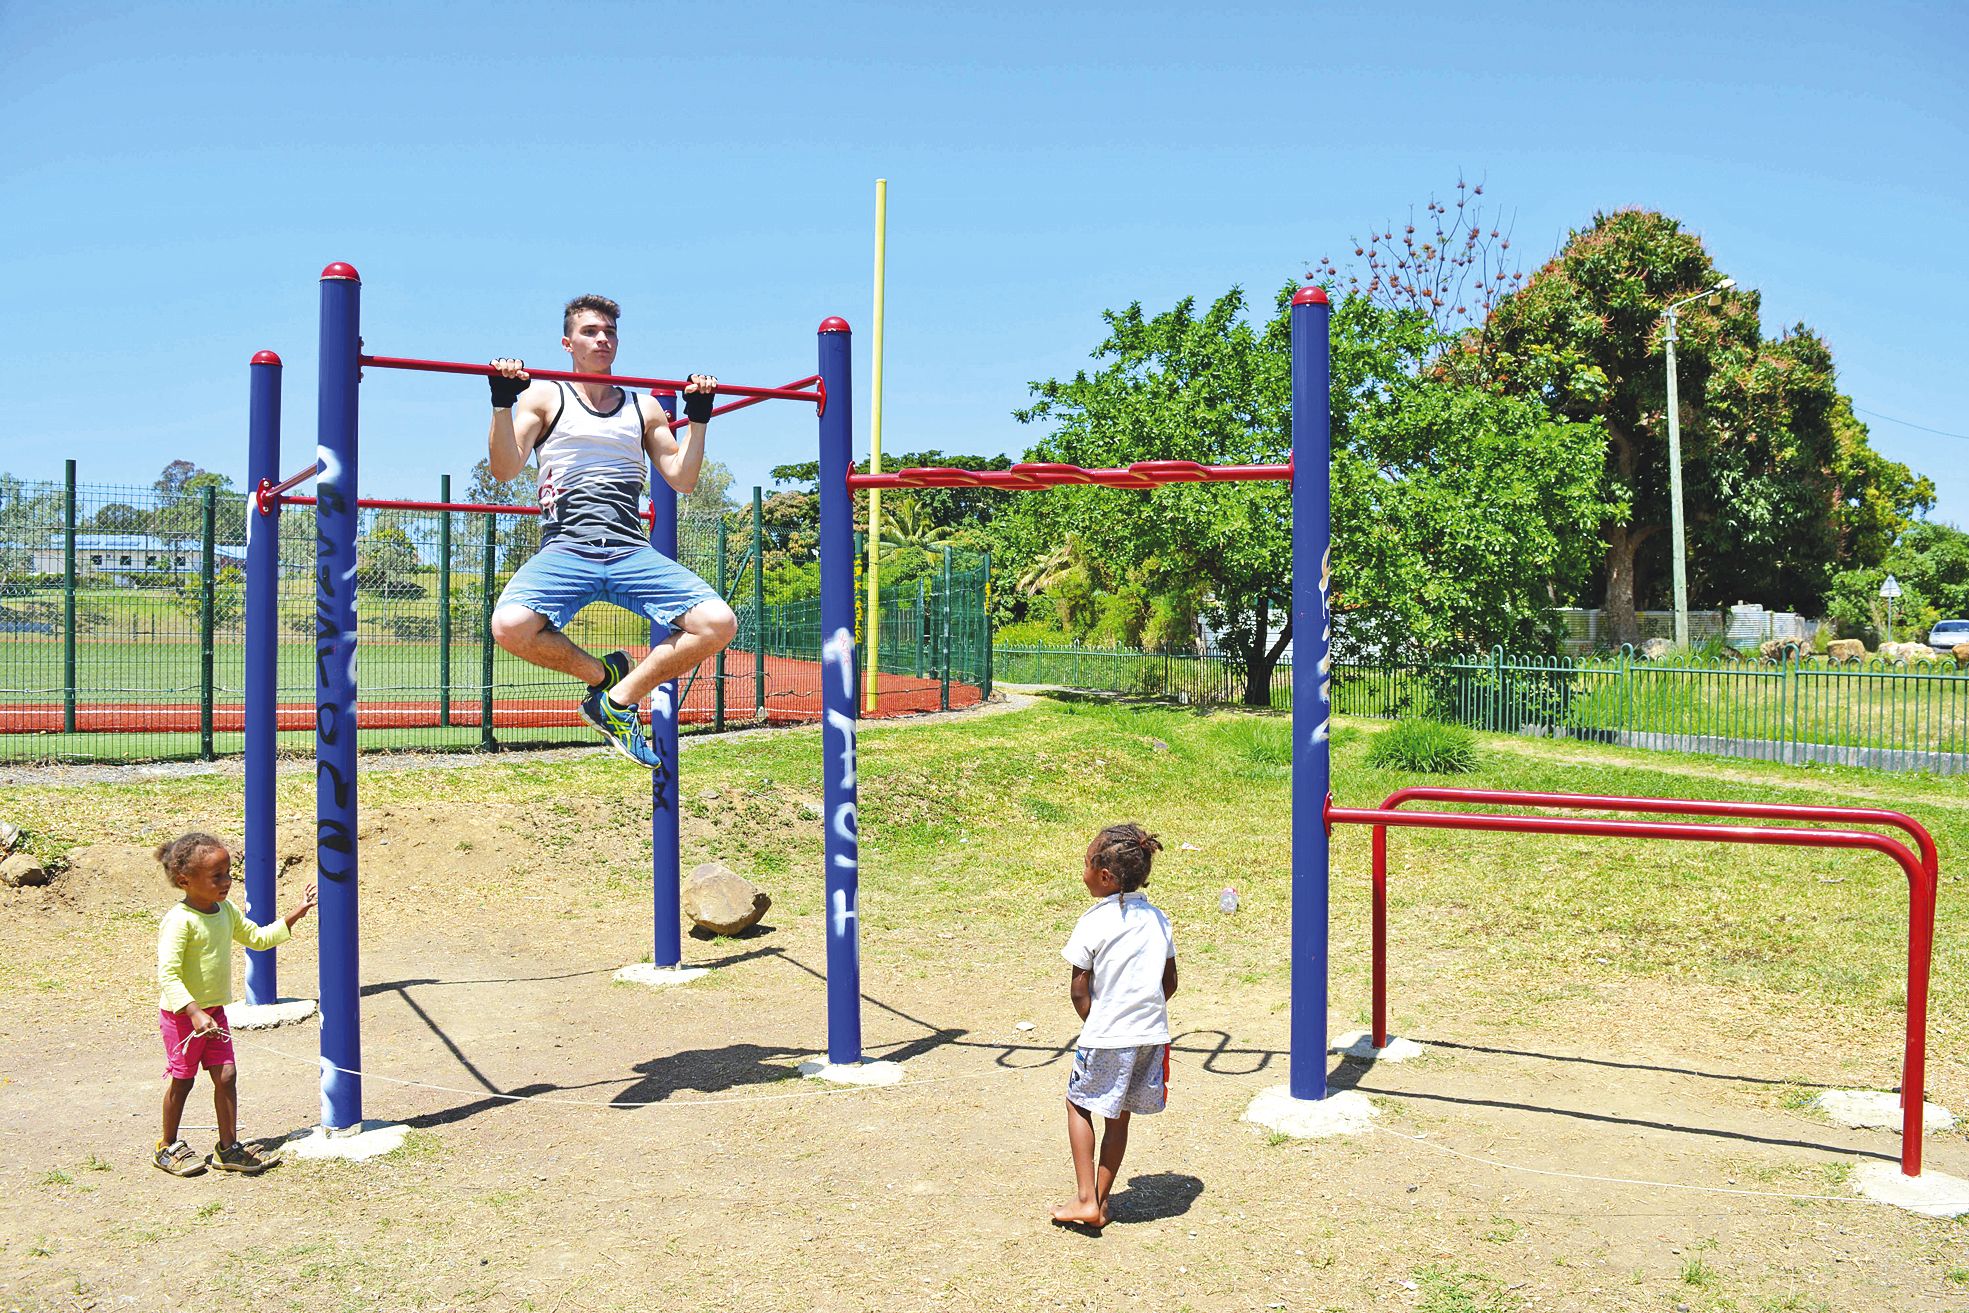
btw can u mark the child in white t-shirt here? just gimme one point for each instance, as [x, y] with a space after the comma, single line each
[1124, 970]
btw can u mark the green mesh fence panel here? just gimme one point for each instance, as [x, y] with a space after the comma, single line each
[139, 691]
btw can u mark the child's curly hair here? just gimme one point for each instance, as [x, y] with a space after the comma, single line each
[177, 855]
[1127, 850]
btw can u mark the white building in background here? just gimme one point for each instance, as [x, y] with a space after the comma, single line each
[114, 558]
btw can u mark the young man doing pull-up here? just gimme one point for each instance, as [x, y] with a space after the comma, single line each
[591, 440]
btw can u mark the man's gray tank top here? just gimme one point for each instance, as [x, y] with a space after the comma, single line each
[592, 473]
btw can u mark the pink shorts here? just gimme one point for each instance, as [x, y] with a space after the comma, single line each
[181, 1059]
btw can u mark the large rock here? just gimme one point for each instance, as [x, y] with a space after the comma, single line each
[22, 868]
[1843, 650]
[1782, 649]
[1903, 653]
[1655, 649]
[1961, 654]
[722, 901]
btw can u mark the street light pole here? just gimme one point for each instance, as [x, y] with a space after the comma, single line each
[1680, 547]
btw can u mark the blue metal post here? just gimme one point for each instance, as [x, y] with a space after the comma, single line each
[336, 524]
[840, 695]
[1311, 706]
[262, 667]
[666, 840]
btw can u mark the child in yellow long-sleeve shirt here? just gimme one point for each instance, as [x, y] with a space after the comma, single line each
[194, 979]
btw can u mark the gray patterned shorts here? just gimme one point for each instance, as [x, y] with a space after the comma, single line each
[1108, 1082]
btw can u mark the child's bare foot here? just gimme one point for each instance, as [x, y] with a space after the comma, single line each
[1090, 1215]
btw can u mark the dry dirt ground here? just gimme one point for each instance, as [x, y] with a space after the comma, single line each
[579, 1144]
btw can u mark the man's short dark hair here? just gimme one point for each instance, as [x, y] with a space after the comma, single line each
[601, 305]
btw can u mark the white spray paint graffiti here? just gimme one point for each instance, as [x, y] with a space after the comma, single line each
[1323, 689]
[842, 912]
[329, 471]
[846, 724]
[848, 829]
[838, 652]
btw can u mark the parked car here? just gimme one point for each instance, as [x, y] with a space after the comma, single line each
[1947, 633]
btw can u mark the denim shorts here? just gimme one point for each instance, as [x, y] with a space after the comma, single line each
[557, 583]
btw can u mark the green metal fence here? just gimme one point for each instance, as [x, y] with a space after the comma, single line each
[1872, 714]
[122, 629]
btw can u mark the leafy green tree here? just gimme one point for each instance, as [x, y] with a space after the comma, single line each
[228, 597]
[906, 524]
[518, 536]
[713, 494]
[1930, 562]
[1777, 486]
[119, 517]
[386, 562]
[180, 516]
[30, 517]
[1455, 507]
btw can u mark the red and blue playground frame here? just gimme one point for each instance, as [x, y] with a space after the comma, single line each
[830, 391]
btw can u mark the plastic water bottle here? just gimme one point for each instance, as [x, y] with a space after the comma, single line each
[1227, 901]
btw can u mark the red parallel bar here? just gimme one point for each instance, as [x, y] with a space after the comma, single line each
[1142, 475]
[793, 392]
[1921, 902]
[1768, 811]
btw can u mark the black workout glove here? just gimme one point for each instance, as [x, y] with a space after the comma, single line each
[697, 406]
[506, 391]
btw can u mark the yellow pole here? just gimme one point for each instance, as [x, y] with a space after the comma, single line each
[875, 455]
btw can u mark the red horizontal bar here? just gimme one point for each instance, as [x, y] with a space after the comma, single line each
[1142, 475]
[792, 393]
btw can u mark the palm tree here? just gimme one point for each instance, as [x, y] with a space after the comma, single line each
[904, 524]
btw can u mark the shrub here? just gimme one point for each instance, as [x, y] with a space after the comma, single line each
[1426, 747]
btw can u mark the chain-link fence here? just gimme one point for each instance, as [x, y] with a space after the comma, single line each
[122, 629]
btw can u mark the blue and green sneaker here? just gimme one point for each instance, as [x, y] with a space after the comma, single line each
[620, 725]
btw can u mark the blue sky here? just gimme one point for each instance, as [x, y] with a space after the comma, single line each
[177, 175]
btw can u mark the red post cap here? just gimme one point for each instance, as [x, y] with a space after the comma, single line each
[1309, 296]
[265, 358]
[834, 324]
[340, 270]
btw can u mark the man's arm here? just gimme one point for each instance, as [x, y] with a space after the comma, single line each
[515, 427]
[678, 460]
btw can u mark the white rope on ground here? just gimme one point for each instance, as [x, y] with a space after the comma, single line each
[1630, 1180]
[610, 1105]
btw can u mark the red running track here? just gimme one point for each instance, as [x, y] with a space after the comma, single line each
[792, 697]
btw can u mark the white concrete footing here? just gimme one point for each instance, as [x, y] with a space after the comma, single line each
[1359, 1044]
[266, 1016]
[1348, 1112]
[645, 973]
[354, 1144]
[1879, 1108]
[1932, 1194]
[873, 1071]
